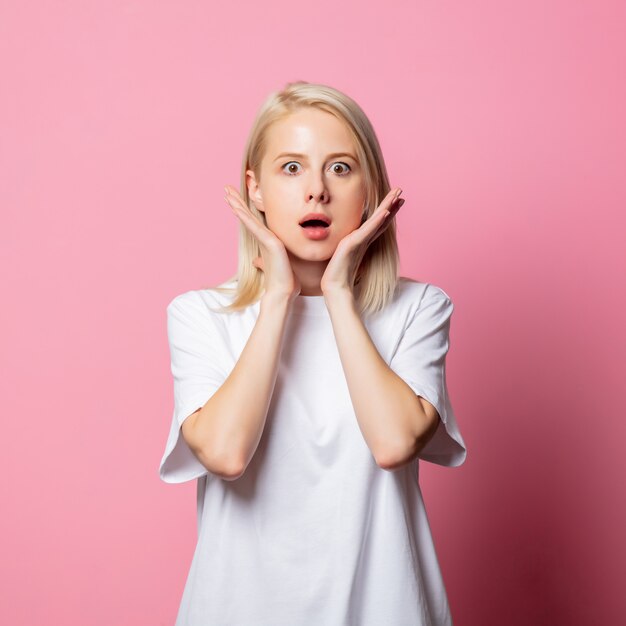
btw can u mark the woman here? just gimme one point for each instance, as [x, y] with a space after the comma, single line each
[308, 386]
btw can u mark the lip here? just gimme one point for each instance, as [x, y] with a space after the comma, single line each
[317, 233]
[316, 216]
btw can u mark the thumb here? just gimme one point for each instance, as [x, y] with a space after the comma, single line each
[258, 263]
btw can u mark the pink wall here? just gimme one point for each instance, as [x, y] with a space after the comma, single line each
[502, 122]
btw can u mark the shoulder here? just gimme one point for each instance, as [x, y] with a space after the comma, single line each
[201, 305]
[415, 294]
[426, 307]
[203, 299]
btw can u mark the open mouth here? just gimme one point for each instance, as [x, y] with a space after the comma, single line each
[314, 224]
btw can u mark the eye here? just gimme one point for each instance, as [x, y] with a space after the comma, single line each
[344, 164]
[289, 163]
[291, 173]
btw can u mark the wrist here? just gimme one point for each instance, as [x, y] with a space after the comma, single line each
[274, 299]
[338, 294]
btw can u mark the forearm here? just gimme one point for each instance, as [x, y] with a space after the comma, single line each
[228, 428]
[390, 415]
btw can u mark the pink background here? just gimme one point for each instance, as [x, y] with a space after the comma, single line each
[504, 125]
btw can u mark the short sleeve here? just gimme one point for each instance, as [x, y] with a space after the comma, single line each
[420, 360]
[198, 370]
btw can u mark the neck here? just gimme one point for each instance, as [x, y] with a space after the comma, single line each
[309, 273]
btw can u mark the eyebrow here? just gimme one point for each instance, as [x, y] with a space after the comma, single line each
[303, 156]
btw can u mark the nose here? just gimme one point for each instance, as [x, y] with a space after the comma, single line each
[320, 195]
[317, 190]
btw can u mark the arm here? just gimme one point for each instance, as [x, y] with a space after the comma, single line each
[395, 422]
[225, 432]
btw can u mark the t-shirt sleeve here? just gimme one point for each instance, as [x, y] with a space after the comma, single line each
[420, 360]
[198, 370]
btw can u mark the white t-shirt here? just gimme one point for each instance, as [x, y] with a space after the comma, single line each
[314, 533]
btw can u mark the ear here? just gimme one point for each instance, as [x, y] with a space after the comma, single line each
[254, 191]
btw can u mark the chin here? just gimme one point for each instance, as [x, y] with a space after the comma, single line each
[320, 254]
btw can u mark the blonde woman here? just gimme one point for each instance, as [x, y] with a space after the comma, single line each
[308, 386]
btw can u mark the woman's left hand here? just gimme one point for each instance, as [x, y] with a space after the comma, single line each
[342, 268]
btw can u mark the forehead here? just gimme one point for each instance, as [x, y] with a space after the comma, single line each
[309, 131]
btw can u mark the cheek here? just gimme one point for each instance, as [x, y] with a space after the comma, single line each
[280, 205]
[357, 214]
[278, 219]
[349, 223]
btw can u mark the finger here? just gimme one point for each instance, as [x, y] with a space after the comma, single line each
[395, 207]
[233, 194]
[390, 198]
[375, 221]
[234, 199]
[387, 204]
[388, 217]
[243, 212]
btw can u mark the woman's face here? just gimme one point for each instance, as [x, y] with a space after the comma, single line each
[309, 166]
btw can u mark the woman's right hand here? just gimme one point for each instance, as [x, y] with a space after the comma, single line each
[274, 261]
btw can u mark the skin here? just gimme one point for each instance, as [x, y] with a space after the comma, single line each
[289, 187]
[396, 424]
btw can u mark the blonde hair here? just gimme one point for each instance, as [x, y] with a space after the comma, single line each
[377, 276]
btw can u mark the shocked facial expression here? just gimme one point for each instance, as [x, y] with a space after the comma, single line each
[310, 167]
